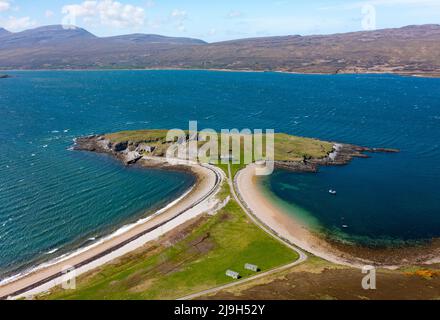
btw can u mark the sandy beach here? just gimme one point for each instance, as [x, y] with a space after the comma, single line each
[294, 231]
[284, 226]
[201, 199]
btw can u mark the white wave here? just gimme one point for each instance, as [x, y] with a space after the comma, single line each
[52, 251]
[77, 252]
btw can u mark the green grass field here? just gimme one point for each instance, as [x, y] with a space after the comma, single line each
[227, 240]
[287, 147]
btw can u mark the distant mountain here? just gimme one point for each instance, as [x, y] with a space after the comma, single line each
[4, 32]
[407, 50]
[44, 36]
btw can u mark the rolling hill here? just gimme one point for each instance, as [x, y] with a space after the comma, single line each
[407, 50]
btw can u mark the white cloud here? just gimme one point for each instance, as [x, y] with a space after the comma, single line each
[17, 24]
[235, 14]
[150, 3]
[402, 2]
[49, 13]
[179, 14]
[4, 5]
[384, 3]
[14, 23]
[179, 17]
[107, 12]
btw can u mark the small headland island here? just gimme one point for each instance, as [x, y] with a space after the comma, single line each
[297, 154]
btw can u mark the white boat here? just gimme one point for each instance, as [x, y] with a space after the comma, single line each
[333, 192]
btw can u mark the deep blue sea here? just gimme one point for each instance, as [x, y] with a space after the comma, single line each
[55, 199]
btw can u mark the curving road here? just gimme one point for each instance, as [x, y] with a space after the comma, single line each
[302, 255]
[45, 279]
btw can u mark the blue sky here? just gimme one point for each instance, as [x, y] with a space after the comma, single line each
[218, 20]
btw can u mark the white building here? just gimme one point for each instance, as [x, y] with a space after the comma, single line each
[233, 274]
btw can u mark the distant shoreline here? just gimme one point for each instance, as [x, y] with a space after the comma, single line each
[415, 74]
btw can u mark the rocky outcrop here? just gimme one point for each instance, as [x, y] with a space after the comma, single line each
[342, 154]
[143, 147]
[100, 144]
[93, 144]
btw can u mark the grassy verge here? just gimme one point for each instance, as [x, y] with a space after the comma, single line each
[317, 279]
[197, 262]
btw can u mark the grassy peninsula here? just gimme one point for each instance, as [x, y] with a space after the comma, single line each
[194, 257]
[287, 147]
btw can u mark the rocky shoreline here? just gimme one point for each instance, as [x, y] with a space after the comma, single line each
[342, 154]
[123, 151]
[128, 153]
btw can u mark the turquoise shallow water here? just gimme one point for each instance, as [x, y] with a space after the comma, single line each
[52, 198]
